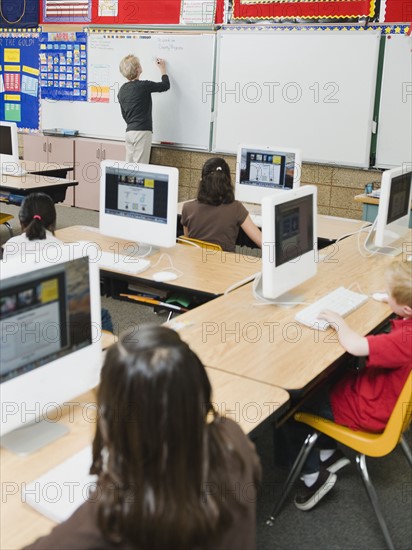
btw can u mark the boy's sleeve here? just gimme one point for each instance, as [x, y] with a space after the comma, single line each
[390, 351]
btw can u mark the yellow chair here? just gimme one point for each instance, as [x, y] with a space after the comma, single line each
[199, 243]
[364, 443]
[4, 220]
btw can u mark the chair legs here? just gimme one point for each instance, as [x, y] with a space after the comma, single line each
[293, 474]
[406, 449]
[361, 464]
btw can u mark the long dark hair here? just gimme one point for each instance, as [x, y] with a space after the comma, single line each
[37, 213]
[159, 447]
[215, 186]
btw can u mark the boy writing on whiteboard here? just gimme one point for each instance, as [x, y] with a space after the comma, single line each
[135, 98]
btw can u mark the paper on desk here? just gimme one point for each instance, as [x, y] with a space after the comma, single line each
[59, 492]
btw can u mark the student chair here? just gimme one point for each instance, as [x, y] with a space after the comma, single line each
[4, 220]
[364, 443]
[198, 243]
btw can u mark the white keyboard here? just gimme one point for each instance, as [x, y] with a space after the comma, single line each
[341, 301]
[125, 264]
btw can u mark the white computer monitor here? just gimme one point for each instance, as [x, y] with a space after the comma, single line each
[289, 237]
[9, 147]
[262, 170]
[138, 202]
[50, 349]
[394, 210]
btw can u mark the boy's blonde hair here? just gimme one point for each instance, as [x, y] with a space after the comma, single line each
[130, 67]
[399, 278]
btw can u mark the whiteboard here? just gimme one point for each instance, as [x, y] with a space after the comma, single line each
[181, 116]
[394, 140]
[311, 90]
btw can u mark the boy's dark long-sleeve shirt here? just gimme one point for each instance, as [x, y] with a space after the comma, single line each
[135, 98]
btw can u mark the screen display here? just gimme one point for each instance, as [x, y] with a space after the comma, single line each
[136, 194]
[271, 169]
[44, 315]
[293, 229]
[399, 197]
[6, 147]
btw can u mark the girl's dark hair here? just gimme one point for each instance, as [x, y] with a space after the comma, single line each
[37, 213]
[159, 448]
[215, 186]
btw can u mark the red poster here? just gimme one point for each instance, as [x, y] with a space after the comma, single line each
[334, 9]
[396, 11]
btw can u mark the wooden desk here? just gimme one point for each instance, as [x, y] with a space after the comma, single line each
[14, 188]
[266, 344]
[47, 168]
[205, 272]
[370, 207]
[247, 402]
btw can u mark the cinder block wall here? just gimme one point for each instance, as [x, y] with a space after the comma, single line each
[337, 186]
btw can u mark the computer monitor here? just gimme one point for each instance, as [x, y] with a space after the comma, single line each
[289, 237]
[138, 202]
[263, 170]
[9, 146]
[394, 211]
[50, 349]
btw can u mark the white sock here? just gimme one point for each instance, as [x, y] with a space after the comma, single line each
[310, 479]
[326, 453]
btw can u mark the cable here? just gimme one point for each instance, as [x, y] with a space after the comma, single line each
[171, 266]
[17, 20]
[241, 283]
[353, 233]
[183, 240]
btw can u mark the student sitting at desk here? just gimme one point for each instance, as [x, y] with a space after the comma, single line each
[215, 216]
[37, 216]
[171, 472]
[361, 400]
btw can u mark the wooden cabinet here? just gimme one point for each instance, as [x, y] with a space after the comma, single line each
[53, 150]
[89, 153]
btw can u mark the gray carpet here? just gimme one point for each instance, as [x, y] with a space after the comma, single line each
[344, 519]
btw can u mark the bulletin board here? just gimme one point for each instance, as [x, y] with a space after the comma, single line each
[19, 74]
[181, 116]
[19, 13]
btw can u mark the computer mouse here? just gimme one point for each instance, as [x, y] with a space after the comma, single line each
[380, 296]
[164, 276]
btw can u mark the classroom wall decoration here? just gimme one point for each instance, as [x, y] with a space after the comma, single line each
[63, 65]
[19, 13]
[66, 11]
[19, 78]
[396, 11]
[290, 9]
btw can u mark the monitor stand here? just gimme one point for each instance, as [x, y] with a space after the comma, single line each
[34, 436]
[386, 250]
[286, 300]
[141, 250]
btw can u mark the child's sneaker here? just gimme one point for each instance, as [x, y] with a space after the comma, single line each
[308, 497]
[335, 462]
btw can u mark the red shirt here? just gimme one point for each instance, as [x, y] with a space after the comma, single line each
[365, 400]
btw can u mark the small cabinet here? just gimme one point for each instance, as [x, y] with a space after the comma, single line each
[53, 150]
[89, 153]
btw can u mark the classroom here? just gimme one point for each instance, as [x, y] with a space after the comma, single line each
[205, 274]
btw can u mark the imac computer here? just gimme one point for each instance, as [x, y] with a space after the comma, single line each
[138, 202]
[50, 346]
[261, 171]
[289, 243]
[394, 209]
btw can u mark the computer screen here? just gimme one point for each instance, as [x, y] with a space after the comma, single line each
[289, 241]
[50, 350]
[394, 209]
[9, 146]
[139, 202]
[262, 170]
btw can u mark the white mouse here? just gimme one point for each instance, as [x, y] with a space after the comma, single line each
[164, 276]
[380, 296]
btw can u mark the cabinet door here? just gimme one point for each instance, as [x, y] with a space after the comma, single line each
[60, 150]
[88, 153]
[35, 147]
[115, 150]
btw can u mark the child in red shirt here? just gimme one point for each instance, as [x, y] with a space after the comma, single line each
[363, 400]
